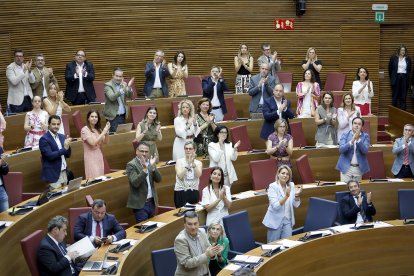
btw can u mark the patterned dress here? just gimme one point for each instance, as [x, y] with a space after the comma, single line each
[204, 138]
[281, 151]
[176, 85]
[33, 135]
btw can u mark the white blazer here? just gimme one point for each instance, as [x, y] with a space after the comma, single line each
[17, 81]
[275, 211]
[221, 158]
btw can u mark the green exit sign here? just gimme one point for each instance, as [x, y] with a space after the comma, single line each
[379, 17]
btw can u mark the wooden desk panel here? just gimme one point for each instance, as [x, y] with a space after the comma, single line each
[397, 119]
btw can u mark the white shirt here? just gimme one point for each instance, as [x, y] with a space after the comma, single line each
[43, 81]
[63, 253]
[190, 181]
[80, 76]
[157, 81]
[218, 212]
[402, 66]
[215, 100]
[359, 217]
[59, 144]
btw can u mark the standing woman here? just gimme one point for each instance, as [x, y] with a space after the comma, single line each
[35, 123]
[186, 128]
[149, 130]
[279, 145]
[187, 177]
[399, 69]
[243, 63]
[54, 103]
[308, 92]
[216, 197]
[3, 125]
[346, 113]
[326, 122]
[222, 154]
[216, 236]
[93, 137]
[178, 71]
[205, 120]
[283, 196]
[362, 90]
[312, 63]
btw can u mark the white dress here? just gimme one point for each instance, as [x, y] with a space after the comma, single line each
[217, 213]
[183, 133]
[223, 159]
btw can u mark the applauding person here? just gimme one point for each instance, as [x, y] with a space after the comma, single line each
[188, 171]
[149, 130]
[363, 91]
[54, 104]
[178, 70]
[312, 63]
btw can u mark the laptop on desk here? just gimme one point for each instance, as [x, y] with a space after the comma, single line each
[74, 184]
[122, 128]
[95, 265]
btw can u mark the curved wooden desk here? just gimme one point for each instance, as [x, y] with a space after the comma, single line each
[378, 251]
[384, 197]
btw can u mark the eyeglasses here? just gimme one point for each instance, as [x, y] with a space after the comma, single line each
[79, 55]
[40, 59]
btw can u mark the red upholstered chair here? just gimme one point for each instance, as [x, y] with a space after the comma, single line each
[204, 179]
[99, 90]
[107, 168]
[26, 196]
[174, 107]
[13, 182]
[304, 169]
[29, 245]
[138, 113]
[89, 200]
[240, 133]
[74, 213]
[337, 100]
[335, 81]
[77, 121]
[66, 125]
[376, 165]
[285, 78]
[231, 110]
[193, 86]
[163, 209]
[263, 173]
[367, 127]
[298, 135]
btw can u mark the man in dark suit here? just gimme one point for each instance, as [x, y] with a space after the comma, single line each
[261, 88]
[98, 225]
[156, 73]
[213, 89]
[79, 76]
[357, 206]
[52, 257]
[4, 169]
[54, 149]
[274, 108]
[142, 172]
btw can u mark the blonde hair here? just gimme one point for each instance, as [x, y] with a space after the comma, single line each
[190, 104]
[280, 169]
[307, 53]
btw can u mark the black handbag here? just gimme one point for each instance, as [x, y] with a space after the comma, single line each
[69, 175]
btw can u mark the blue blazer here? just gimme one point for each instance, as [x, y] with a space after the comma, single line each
[50, 259]
[83, 227]
[150, 78]
[350, 210]
[51, 160]
[72, 84]
[208, 91]
[275, 211]
[256, 92]
[399, 151]
[270, 116]
[347, 151]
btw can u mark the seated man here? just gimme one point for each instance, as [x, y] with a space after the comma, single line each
[357, 207]
[192, 248]
[52, 257]
[99, 226]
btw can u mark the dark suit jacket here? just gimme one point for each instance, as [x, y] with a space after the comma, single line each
[138, 184]
[350, 210]
[393, 69]
[50, 259]
[51, 161]
[83, 227]
[150, 78]
[208, 91]
[72, 84]
[256, 92]
[270, 116]
[3, 169]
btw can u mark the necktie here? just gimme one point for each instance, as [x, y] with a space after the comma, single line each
[268, 59]
[98, 229]
[406, 162]
[64, 252]
[362, 212]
